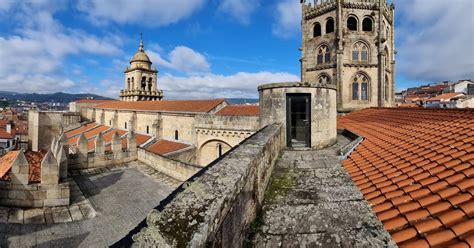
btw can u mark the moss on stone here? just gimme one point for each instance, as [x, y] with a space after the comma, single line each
[282, 181]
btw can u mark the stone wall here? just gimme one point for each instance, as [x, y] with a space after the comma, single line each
[171, 167]
[44, 125]
[215, 207]
[50, 192]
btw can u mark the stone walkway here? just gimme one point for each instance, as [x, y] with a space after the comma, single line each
[121, 197]
[311, 201]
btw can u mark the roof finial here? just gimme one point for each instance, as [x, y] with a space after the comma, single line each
[142, 47]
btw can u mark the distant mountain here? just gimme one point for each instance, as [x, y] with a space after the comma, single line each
[56, 97]
[242, 100]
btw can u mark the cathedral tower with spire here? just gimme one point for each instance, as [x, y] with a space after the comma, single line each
[141, 78]
[350, 44]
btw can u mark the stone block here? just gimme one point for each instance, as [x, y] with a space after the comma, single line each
[17, 194]
[61, 215]
[53, 194]
[38, 194]
[76, 213]
[56, 202]
[87, 211]
[4, 214]
[15, 215]
[34, 216]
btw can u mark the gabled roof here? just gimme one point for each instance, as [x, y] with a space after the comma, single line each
[239, 110]
[81, 129]
[445, 97]
[163, 147]
[416, 168]
[193, 106]
[5, 135]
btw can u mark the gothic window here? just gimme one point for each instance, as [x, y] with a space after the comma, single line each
[352, 23]
[360, 52]
[324, 79]
[355, 91]
[176, 135]
[367, 24]
[317, 30]
[362, 81]
[324, 55]
[329, 26]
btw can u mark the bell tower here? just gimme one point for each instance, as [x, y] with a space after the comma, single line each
[141, 78]
[350, 44]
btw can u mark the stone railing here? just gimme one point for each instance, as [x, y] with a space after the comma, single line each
[216, 206]
[171, 167]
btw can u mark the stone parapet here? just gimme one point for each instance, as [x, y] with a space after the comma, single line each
[215, 207]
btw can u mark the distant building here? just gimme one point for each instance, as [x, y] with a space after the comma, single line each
[7, 137]
[463, 86]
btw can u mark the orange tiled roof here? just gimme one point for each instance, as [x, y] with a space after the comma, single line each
[163, 147]
[194, 106]
[408, 105]
[92, 101]
[5, 135]
[415, 167]
[239, 110]
[89, 134]
[81, 129]
[34, 160]
[6, 162]
[446, 96]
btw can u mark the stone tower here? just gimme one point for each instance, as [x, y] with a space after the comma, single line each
[350, 43]
[141, 79]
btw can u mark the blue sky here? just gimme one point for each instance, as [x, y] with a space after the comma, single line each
[204, 48]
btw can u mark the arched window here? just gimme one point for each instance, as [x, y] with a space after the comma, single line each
[149, 84]
[324, 79]
[317, 30]
[352, 23]
[176, 135]
[367, 24]
[143, 83]
[329, 26]
[128, 83]
[147, 129]
[360, 52]
[125, 125]
[355, 91]
[362, 81]
[133, 83]
[110, 122]
[219, 149]
[324, 55]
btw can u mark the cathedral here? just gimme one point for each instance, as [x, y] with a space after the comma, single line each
[350, 44]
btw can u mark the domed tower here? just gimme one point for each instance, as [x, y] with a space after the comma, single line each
[350, 43]
[141, 79]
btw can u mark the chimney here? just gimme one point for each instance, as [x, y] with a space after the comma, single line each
[9, 128]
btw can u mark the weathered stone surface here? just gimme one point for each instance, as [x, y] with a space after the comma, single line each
[34, 215]
[218, 205]
[312, 202]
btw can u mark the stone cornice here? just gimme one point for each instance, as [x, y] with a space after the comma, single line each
[312, 12]
[322, 67]
[363, 65]
[366, 6]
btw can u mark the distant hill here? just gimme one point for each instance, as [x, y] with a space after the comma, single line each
[56, 97]
[242, 100]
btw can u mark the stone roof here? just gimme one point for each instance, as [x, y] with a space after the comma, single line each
[163, 147]
[239, 110]
[192, 106]
[140, 57]
[415, 168]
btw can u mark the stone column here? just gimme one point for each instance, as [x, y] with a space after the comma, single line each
[82, 151]
[132, 142]
[117, 146]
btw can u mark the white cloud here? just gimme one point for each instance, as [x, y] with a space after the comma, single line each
[182, 59]
[241, 84]
[144, 12]
[241, 10]
[288, 18]
[436, 39]
[33, 58]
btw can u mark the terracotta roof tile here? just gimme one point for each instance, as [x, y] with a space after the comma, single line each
[193, 106]
[239, 110]
[416, 165]
[6, 162]
[163, 147]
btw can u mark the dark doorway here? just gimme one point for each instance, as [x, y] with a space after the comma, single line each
[298, 121]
